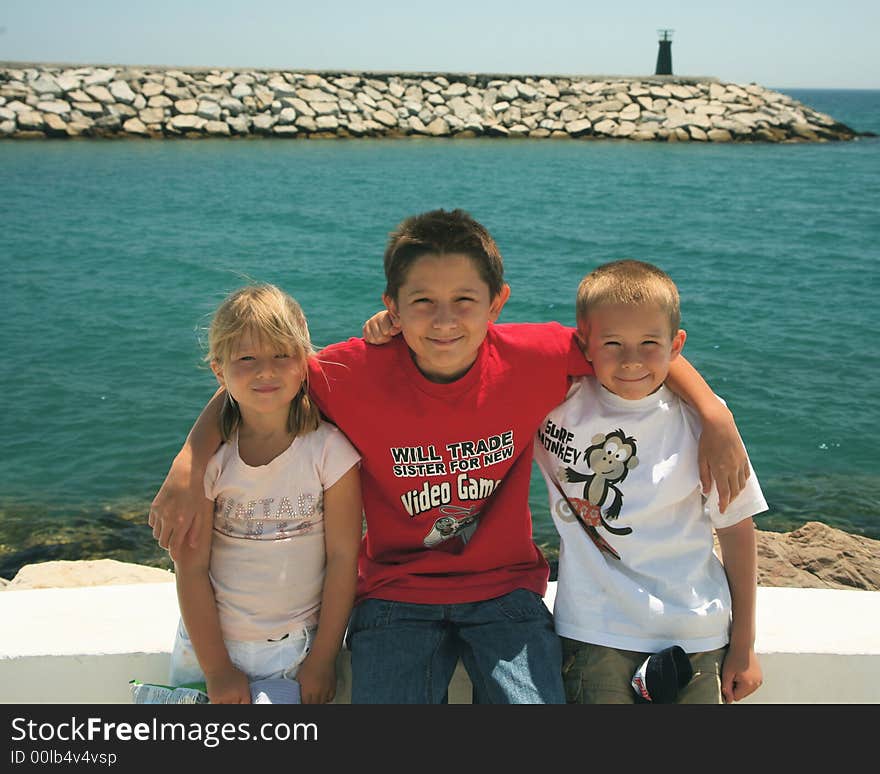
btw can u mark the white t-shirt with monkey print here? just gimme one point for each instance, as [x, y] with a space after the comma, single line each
[636, 565]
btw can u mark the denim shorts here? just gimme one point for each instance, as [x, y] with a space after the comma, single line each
[259, 660]
[406, 653]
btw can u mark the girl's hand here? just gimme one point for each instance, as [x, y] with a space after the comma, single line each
[722, 459]
[228, 686]
[380, 328]
[740, 674]
[317, 679]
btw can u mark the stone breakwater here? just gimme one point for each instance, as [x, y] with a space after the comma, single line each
[49, 101]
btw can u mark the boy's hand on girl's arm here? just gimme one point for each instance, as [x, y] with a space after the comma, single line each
[175, 507]
[182, 498]
[740, 674]
[722, 457]
[380, 328]
[228, 686]
[317, 679]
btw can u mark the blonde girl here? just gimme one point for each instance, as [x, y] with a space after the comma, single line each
[268, 589]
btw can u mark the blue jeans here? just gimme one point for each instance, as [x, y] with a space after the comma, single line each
[404, 653]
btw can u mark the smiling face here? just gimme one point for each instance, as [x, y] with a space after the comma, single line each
[262, 378]
[444, 308]
[630, 347]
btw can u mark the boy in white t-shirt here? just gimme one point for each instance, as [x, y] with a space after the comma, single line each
[637, 572]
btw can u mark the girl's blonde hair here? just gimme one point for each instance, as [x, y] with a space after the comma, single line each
[273, 318]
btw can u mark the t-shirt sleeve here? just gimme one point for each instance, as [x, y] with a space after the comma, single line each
[337, 456]
[749, 502]
[212, 474]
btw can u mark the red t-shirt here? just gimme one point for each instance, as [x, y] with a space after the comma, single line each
[446, 467]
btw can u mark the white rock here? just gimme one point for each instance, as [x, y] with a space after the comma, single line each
[122, 92]
[159, 101]
[55, 124]
[456, 89]
[186, 106]
[437, 128]
[151, 89]
[7, 127]
[607, 126]
[239, 124]
[263, 122]
[631, 112]
[17, 106]
[279, 87]
[306, 123]
[217, 128]
[327, 122]
[719, 135]
[135, 126]
[416, 125]
[697, 133]
[574, 128]
[241, 90]
[385, 118]
[299, 105]
[45, 84]
[285, 130]
[68, 82]
[89, 108]
[31, 119]
[287, 116]
[152, 115]
[625, 129]
[328, 108]
[210, 111]
[232, 105]
[509, 92]
[100, 94]
[99, 77]
[185, 122]
[430, 87]
[57, 106]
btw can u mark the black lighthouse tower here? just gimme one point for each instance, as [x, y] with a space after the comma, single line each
[664, 53]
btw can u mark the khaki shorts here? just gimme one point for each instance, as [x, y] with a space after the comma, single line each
[595, 674]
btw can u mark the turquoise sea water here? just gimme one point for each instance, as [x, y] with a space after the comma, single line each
[114, 253]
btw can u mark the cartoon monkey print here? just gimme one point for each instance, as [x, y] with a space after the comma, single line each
[609, 458]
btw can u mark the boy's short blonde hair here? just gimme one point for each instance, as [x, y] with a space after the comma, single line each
[629, 282]
[276, 319]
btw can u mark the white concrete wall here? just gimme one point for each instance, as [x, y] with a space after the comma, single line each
[83, 645]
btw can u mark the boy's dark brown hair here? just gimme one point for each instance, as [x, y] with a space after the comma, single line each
[442, 232]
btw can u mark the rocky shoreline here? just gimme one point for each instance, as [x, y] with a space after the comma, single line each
[39, 101]
[813, 556]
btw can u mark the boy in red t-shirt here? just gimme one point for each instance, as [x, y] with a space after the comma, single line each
[444, 418]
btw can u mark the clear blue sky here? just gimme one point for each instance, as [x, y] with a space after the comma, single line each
[809, 43]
